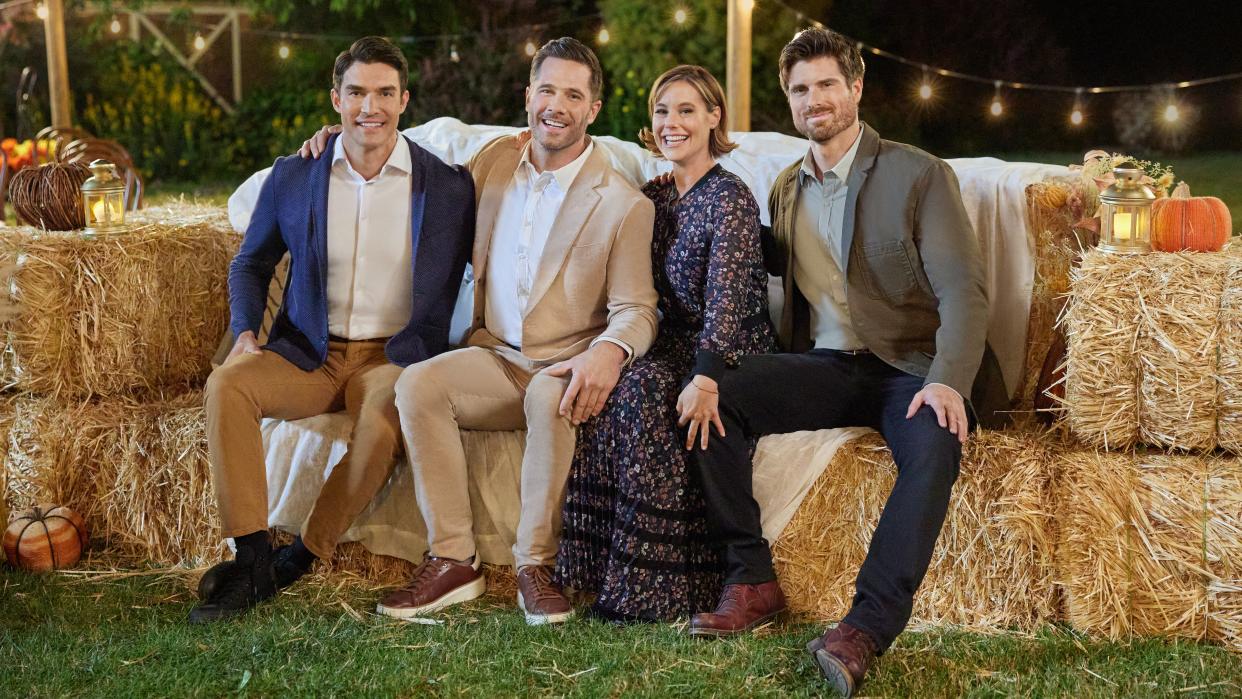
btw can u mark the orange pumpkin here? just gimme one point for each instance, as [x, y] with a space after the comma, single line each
[45, 538]
[1183, 222]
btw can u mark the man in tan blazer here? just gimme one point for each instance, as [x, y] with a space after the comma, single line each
[563, 298]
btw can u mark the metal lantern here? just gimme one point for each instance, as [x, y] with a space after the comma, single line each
[103, 199]
[1125, 212]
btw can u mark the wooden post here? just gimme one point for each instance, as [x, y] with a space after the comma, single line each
[737, 77]
[237, 69]
[57, 63]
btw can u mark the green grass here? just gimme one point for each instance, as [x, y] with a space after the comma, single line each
[67, 636]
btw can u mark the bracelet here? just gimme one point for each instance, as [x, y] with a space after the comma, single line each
[705, 390]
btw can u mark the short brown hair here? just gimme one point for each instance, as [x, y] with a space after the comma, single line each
[371, 49]
[713, 96]
[814, 42]
[568, 48]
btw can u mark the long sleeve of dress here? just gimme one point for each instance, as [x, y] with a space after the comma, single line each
[736, 257]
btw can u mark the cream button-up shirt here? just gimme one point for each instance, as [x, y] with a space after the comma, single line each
[529, 208]
[370, 280]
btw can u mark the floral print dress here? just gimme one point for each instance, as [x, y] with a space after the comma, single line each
[633, 523]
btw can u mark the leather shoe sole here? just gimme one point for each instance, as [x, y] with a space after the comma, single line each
[537, 619]
[708, 632]
[833, 670]
[462, 593]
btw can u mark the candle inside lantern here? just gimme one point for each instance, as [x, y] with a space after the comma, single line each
[102, 213]
[1122, 229]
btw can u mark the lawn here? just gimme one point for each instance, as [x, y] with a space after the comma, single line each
[125, 635]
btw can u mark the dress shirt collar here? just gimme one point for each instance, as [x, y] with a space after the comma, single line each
[398, 159]
[841, 169]
[564, 176]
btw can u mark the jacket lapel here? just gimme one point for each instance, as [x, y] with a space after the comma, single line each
[491, 195]
[580, 201]
[863, 162]
[320, 176]
[418, 200]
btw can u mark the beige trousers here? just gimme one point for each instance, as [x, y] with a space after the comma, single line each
[478, 388]
[356, 376]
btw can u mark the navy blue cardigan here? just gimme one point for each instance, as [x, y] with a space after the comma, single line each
[291, 215]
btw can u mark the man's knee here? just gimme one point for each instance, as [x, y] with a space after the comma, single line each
[223, 383]
[418, 390]
[938, 450]
[543, 396]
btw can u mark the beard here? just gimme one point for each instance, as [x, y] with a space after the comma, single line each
[571, 134]
[823, 132]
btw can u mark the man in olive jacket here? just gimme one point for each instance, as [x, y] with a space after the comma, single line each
[884, 323]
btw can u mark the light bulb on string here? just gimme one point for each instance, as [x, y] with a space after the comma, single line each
[453, 55]
[1076, 115]
[604, 37]
[283, 51]
[531, 49]
[925, 88]
[1172, 113]
[997, 108]
[115, 26]
[41, 11]
[199, 42]
[680, 15]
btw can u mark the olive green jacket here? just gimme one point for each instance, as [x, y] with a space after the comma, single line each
[914, 275]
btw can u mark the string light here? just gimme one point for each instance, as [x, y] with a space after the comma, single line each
[604, 37]
[41, 11]
[997, 108]
[1172, 113]
[283, 51]
[1076, 116]
[925, 89]
[680, 15]
[115, 26]
[453, 55]
[746, 5]
[531, 48]
[199, 42]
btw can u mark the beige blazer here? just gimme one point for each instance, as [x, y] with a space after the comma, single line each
[594, 278]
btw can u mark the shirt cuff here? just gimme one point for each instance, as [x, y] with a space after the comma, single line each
[629, 351]
[710, 364]
[936, 383]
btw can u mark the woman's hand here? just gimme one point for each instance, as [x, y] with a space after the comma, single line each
[699, 406]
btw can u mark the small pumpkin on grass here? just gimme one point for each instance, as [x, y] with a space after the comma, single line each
[1183, 222]
[46, 537]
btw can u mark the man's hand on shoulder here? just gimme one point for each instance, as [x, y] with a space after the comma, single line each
[246, 343]
[315, 146]
[594, 374]
[948, 405]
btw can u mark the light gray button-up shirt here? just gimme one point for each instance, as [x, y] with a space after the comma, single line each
[817, 265]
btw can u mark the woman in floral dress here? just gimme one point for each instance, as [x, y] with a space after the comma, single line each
[634, 530]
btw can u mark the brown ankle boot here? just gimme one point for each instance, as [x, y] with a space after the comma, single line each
[742, 608]
[843, 655]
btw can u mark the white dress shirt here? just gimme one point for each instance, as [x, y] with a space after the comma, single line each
[531, 203]
[370, 282]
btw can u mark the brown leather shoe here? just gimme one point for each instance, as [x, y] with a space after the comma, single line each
[741, 608]
[437, 583]
[540, 598]
[843, 655]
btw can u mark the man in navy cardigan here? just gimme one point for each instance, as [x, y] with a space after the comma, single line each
[377, 236]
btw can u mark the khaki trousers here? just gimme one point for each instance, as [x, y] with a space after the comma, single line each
[484, 388]
[250, 387]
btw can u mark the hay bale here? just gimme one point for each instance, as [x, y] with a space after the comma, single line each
[1150, 545]
[136, 471]
[1101, 328]
[119, 314]
[993, 563]
[1229, 364]
[1177, 344]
